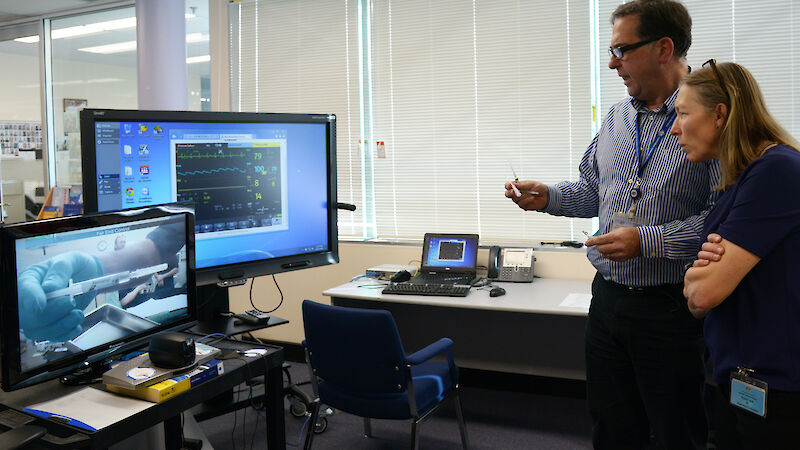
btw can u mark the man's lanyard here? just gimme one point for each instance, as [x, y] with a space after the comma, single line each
[653, 145]
[636, 190]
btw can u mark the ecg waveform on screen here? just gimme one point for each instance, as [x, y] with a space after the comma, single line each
[211, 172]
[231, 188]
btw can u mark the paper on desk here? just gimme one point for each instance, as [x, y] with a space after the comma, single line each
[575, 300]
[93, 407]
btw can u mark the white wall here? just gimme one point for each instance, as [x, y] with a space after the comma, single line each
[20, 88]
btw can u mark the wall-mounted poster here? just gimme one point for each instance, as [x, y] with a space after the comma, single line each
[72, 107]
[16, 136]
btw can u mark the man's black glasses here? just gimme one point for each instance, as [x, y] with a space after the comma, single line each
[713, 63]
[617, 52]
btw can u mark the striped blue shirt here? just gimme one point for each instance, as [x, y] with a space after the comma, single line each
[676, 194]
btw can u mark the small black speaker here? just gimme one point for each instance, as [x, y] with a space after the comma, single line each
[171, 350]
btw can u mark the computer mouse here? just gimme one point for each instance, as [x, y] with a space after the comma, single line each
[497, 292]
[400, 276]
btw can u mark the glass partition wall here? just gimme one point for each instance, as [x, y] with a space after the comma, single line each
[88, 59]
[93, 61]
[94, 65]
[22, 168]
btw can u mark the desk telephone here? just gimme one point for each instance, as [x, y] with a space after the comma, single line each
[511, 264]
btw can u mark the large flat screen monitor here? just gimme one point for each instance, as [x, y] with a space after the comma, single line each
[76, 289]
[263, 185]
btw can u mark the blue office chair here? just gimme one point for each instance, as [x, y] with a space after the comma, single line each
[358, 365]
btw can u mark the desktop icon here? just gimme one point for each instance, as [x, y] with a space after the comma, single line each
[143, 150]
[127, 149]
[128, 171]
[145, 191]
[158, 130]
[127, 127]
[142, 128]
[129, 192]
[144, 170]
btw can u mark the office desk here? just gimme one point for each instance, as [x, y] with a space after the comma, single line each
[169, 411]
[526, 331]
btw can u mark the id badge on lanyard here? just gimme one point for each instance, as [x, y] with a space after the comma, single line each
[748, 393]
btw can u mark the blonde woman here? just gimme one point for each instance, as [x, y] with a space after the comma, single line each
[746, 282]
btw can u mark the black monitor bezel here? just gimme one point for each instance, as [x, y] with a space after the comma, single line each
[11, 375]
[229, 272]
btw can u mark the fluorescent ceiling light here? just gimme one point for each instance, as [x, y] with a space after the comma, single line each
[198, 59]
[28, 39]
[76, 82]
[83, 30]
[130, 46]
[111, 48]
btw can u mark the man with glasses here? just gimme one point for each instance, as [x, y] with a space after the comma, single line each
[644, 350]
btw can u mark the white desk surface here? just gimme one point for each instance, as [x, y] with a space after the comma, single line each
[542, 296]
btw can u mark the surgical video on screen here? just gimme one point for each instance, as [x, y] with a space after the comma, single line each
[83, 288]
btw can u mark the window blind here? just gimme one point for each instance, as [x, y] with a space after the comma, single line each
[464, 90]
[301, 56]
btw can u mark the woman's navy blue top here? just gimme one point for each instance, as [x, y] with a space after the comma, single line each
[758, 326]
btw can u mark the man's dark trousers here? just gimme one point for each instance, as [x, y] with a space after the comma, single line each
[644, 368]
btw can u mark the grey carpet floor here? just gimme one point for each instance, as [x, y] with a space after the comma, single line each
[495, 419]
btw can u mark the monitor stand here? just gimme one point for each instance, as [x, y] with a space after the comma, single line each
[212, 302]
[214, 314]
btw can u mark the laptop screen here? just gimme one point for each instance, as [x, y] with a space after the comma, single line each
[450, 252]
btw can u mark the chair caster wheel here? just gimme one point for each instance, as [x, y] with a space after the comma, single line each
[321, 425]
[297, 406]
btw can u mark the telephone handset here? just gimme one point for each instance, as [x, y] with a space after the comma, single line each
[510, 264]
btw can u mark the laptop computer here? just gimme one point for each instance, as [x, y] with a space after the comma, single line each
[447, 259]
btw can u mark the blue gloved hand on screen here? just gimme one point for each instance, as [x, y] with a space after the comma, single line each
[58, 319]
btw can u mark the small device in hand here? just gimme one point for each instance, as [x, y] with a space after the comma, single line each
[253, 317]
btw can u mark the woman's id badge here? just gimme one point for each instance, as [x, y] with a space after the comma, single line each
[748, 393]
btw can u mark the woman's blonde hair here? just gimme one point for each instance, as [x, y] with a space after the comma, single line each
[749, 123]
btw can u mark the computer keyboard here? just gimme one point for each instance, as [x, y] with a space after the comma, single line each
[441, 278]
[448, 290]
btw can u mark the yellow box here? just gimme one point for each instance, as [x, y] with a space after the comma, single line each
[155, 393]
